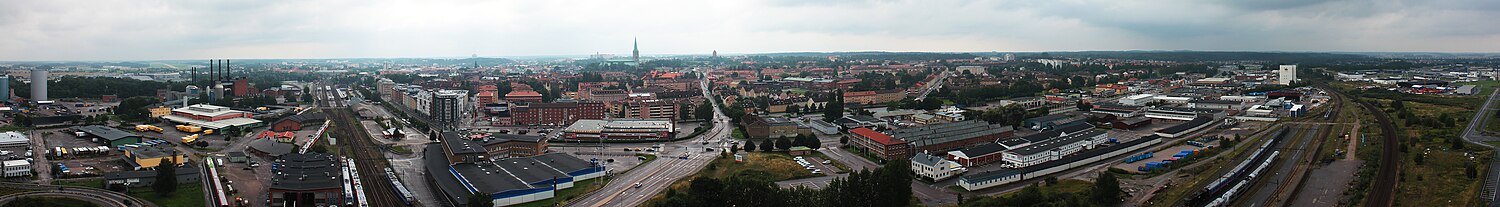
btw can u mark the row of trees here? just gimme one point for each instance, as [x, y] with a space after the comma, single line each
[784, 143]
[889, 185]
[1104, 192]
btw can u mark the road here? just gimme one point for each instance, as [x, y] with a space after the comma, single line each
[934, 85]
[658, 175]
[1492, 178]
[39, 155]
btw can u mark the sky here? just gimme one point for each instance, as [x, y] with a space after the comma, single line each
[242, 29]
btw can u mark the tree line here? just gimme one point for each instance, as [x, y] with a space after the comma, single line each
[889, 185]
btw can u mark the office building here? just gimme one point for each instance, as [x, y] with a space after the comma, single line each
[1287, 74]
[555, 114]
[448, 106]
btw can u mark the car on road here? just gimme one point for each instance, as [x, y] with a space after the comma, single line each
[637, 185]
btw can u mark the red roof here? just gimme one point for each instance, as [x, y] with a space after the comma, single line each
[488, 88]
[522, 94]
[882, 138]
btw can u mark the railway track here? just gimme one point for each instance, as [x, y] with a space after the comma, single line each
[49, 190]
[1383, 192]
[1332, 116]
[358, 145]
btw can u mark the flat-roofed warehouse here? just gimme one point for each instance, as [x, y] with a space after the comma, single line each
[620, 129]
[108, 136]
[214, 117]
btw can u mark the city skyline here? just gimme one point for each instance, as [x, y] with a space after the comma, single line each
[127, 30]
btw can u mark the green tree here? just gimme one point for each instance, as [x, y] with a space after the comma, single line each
[783, 143]
[481, 200]
[166, 176]
[704, 111]
[134, 108]
[835, 107]
[1106, 189]
[749, 146]
[767, 145]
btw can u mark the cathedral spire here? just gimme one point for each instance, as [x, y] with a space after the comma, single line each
[635, 52]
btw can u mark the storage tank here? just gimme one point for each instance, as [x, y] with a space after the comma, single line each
[39, 84]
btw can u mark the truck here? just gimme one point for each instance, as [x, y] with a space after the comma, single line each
[144, 128]
[189, 128]
[190, 138]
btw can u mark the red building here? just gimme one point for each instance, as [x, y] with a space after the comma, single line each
[556, 114]
[523, 96]
[978, 155]
[880, 144]
[241, 87]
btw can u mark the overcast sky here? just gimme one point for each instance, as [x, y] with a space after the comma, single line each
[151, 30]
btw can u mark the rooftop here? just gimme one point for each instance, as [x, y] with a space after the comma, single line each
[105, 132]
[882, 138]
[311, 171]
[13, 138]
[206, 110]
[1179, 128]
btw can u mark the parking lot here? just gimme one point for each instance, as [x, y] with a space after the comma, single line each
[170, 133]
[249, 183]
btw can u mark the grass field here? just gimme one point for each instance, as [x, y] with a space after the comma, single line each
[1441, 178]
[188, 194]
[92, 183]
[567, 195]
[772, 166]
[48, 202]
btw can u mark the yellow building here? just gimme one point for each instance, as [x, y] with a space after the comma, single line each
[150, 156]
[160, 111]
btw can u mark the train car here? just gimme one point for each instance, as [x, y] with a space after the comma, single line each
[406, 196]
[218, 186]
[348, 187]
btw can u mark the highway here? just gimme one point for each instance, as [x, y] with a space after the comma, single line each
[657, 176]
[1492, 178]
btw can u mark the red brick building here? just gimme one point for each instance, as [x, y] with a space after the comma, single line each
[556, 114]
[880, 144]
[523, 96]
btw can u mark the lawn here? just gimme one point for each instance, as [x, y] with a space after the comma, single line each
[1441, 178]
[398, 149]
[567, 195]
[772, 166]
[188, 194]
[49, 202]
[91, 183]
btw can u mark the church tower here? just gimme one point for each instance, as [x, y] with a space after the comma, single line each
[635, 53]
